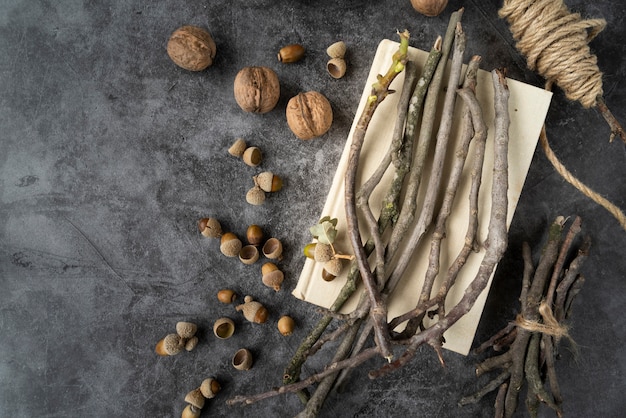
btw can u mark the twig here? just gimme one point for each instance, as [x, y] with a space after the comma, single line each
[434, 181]
[616, 128]
[380, 90]
[409, 205]
[497, 239]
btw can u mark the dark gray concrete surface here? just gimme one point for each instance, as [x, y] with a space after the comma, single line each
[109, 154]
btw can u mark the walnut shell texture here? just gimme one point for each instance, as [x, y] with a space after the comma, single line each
[257, 89]
[191, 48]
[309, 115]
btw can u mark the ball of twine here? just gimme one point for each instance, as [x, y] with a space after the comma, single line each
[555, 43]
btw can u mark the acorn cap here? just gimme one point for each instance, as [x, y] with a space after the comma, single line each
[249, 254]
[237, 148]
[337, 50]
[255, 196]
[242, 360]
[273, 248]
[195, 398]
[186, 329]
[210, 387]
[336, 67]
[252, 156]
[323, 252]
[191, 343]
[224, 328]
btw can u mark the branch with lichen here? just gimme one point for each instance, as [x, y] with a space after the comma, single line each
[380, 90]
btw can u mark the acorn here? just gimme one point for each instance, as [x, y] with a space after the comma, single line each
[171, 345]
[272, 276]
[249, 254]
[191, 343]
[291, 53]
[210, 227]
[191, 411]
[230, 245]
[309, 250]
[237, 148]
[285, 325]
[224, 328]
[254, 235]
[268, 181]
[195, 398]
[210, 387]
[242, 360]
[253, 311]
[186, 330]
[323, 252]
[255, 196]
[252, 156]
[226, 296]
[273, 249]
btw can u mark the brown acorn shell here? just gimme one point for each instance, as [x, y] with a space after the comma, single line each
[273, 249]
[291, 53]
[226, 295]
[242, 360]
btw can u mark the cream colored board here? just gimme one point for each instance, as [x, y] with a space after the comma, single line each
[528, 106]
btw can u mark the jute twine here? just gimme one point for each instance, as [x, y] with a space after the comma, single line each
[549, 326]
[555, 43]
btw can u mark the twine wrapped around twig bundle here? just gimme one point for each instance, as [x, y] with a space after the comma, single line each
[549, 326]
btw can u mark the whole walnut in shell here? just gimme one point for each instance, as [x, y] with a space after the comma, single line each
[257, 89]
[309, 115]
[191, 48]
[430, 8]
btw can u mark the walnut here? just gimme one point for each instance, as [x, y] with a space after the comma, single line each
[430, 8]
[309, 115]
[257, 89]
[191, 48]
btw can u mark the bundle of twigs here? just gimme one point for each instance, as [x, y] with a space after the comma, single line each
[381, 262]
[531, 341]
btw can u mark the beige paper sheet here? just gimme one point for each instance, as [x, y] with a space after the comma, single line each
[528, 106]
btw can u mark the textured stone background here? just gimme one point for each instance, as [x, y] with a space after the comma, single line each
[110, 154]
